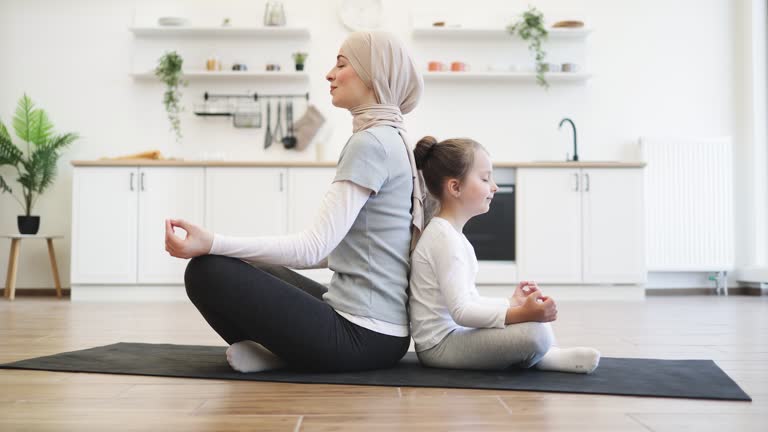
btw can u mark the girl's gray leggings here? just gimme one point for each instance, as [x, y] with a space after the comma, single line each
[517, 345]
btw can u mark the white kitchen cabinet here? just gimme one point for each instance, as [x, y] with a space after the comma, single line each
[164, 193]
[104, 225]
[118, 212]
[579, 225]
[306, 190]
[246, 201]
[613, 226]
[548, 225]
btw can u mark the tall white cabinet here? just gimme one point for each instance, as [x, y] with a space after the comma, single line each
[580, 225]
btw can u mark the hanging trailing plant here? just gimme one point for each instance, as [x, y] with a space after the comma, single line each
[530, 27]
[169, 72]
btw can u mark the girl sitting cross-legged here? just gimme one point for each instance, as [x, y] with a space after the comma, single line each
[451, 324]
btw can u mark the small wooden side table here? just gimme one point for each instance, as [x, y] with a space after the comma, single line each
[13, 261]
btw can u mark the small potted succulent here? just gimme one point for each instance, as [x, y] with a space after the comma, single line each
[299, 57]
[37, 169]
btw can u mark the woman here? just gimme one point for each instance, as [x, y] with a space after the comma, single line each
[272, 316]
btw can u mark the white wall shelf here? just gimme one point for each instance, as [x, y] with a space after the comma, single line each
[184, 31]
[477, 32]
[229, 75]
[511, 76]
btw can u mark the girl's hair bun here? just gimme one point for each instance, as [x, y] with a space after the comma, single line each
[423, 150]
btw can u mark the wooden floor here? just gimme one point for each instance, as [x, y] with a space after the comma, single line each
[732, 331]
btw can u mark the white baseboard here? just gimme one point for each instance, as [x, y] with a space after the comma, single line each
[751, 274]
[129, 293]
[177, 293]
[491, 272]
[574, 292]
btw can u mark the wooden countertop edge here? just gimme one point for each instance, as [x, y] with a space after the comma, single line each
[312, 164]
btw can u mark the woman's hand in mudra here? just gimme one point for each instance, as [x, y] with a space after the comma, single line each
[197, 242]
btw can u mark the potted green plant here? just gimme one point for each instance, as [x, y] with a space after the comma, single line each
[299, 57]
[36, 169]
[530, 27]
[169, 71]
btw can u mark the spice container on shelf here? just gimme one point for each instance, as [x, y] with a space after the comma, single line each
[213, 64]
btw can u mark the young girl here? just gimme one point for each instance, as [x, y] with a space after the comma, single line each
[451, 324]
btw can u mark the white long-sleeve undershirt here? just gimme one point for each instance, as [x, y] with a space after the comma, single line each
[308, 248]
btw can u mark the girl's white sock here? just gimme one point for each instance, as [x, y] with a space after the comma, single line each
[249, 356]
[576, 360]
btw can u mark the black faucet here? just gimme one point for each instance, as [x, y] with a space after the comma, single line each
[575, 149]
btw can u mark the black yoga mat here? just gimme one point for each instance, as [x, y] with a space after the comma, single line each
[696, 379]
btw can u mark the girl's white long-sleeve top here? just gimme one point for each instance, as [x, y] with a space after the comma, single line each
[443, 293]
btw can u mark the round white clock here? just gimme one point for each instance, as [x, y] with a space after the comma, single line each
[361, 15]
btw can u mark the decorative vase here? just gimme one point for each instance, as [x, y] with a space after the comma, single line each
[28, 224]
[299, 66]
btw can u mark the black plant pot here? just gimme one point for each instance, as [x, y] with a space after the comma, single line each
[300, 66]
[28, 224]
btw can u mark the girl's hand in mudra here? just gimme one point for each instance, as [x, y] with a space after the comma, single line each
[540, 307]
[197, 242]
[523, 290]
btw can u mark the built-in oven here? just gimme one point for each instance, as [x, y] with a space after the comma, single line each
[493, 234]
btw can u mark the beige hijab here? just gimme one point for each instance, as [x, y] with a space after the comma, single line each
[384, 65]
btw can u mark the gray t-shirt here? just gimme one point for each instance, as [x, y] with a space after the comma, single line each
[371, 264]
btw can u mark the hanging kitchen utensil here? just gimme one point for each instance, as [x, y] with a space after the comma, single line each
[289, 141]
[279, 123]
[268, 133]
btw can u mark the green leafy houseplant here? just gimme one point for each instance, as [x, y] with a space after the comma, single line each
[169, 71]
[37, 169]
[530, 27]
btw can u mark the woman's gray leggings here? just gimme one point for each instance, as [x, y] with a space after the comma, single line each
[517, 345]
[285, 312]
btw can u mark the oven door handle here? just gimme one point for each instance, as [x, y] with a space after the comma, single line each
[505, 189]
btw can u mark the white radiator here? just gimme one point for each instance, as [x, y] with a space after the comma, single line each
[689, 204]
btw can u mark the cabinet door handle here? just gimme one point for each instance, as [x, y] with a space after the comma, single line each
[131, 182]
[586, 178]
[576, 186]
[281, 182]
[142, 181]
